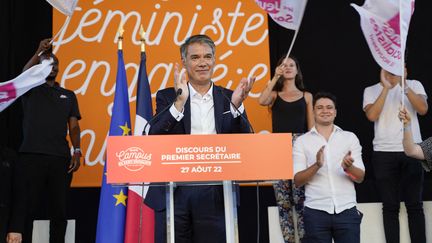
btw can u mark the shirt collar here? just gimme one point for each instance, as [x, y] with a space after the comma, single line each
[55, 86]
[193, 92]
[335, 129]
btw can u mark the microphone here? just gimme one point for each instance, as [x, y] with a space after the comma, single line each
[251, 130]
[178, 93]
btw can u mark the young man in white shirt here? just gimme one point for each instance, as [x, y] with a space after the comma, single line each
[327, 160]
[398, 177]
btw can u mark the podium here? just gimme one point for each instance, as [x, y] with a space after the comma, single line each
[195, 159]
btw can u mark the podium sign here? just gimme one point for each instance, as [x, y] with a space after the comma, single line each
[195, 158]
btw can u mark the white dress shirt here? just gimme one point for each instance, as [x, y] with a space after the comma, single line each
[330, 189]
[202, 111]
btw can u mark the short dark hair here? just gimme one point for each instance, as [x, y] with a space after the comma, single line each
[324, 95]
[202, 39]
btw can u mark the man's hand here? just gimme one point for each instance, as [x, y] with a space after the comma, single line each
[180, 82]
[242, 91]
[44, 46]
[320, 157]
[347, 161]
[75, 162]
[384, 82]
[13, 237]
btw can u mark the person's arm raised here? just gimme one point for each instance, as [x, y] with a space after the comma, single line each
[180, 82]
[44, 46]
[268, 95]
[411, 149]
[373, 111]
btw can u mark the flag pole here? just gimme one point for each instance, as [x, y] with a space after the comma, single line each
[402, 53]
[142, 39]
[120, 37]
[296, 32]
[111, 219]
[56, 35]
[66, 23]
[142, 35]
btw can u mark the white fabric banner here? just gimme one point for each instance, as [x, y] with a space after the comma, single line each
[385, 36]
[66, 7]
[32, 77]
[287, 13]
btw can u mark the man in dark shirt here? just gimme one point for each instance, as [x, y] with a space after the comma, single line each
[49, 112]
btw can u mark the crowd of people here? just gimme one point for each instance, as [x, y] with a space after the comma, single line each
[327, 159]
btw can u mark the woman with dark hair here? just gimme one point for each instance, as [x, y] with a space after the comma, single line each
[291, 109]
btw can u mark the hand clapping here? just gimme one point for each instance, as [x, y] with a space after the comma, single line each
[242, 91]
[347, 161]
[180, 82]
[320, 157]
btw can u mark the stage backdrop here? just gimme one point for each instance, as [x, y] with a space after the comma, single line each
[87, 52]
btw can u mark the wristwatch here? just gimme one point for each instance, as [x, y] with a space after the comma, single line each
[77, 151]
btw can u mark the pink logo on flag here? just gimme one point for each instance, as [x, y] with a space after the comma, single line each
[286, 13]
[386, 38]
[270, 6]
[394, 24]
[7, 92]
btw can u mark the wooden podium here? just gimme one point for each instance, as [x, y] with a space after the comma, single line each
[193, 159]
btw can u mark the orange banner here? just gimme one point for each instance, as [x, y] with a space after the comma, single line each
[87, 51]
[192, 158]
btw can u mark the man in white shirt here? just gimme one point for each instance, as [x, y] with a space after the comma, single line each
[199, 108]
[327, 160]
[397, 176]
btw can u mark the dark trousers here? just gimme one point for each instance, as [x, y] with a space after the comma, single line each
[398, 178]
[322, 227]
[199, 216]
[4, 220]
[47, 175]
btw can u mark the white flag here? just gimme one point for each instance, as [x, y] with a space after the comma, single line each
[32, 77]
[287, 13]
[384, 33]
[66, 7]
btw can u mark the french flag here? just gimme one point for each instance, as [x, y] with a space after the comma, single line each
[140, 223]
